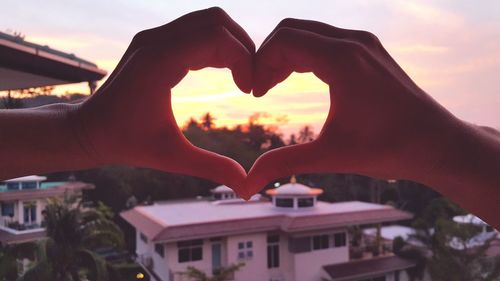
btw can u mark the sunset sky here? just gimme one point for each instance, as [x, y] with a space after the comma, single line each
[451, 48]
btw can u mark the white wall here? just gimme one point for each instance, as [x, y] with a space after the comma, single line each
[287, 261]
[160, 263]
[309, 266]
[173, 265]
[141, 248]
[256, 267]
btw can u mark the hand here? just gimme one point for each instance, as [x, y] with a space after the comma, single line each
[380, 123]
[130, 120]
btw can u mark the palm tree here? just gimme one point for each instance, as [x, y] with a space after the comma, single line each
[207, 121]
[66, 254]
[10, 102]
[435, 247]
[306, 134]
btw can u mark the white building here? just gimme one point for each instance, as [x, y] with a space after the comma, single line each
[293, 237]
[22, 201]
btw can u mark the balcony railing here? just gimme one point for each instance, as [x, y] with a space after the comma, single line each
[15, 227]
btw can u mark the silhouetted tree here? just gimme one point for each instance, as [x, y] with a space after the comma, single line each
[207, 121]
[306, 134]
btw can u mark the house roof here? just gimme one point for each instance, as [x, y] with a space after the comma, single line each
[222, 189]
[355, 270]
[201, 218]
[469, 219]
[10, 238]
[27, 65]
[294, 189]
[390, 232]
[47, 189]
[27, 178]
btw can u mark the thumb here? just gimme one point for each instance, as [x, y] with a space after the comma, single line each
[283, 162]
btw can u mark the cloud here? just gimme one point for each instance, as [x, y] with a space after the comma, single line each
[417, 48]
[426, 13]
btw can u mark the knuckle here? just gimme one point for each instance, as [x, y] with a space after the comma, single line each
[283, 33]
[140, 36]
[216, 14]
[287, 22]
[220, 32]
[351, 47]
[367, 38]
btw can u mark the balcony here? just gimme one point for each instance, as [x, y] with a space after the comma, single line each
[14, 227]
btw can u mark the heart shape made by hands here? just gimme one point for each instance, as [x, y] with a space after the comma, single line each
[375, 122]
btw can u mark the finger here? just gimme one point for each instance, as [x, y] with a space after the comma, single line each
[207, 18]
[365, 38]
[284, 162]
[312, 26]
[184, 26]
[291, 50]
[217, 47]
[159, 68]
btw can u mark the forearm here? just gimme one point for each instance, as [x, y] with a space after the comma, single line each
[469, 171]
[41, 140]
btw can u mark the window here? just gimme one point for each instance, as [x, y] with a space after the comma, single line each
[29, 212]
[245, 250]
[306, 202]
[321, 242]
[28, 185]
[12, 186]
[284, 202]
[273, 251]
[339, 239]
[160, 250]
[7, 209]
[300, 245]
[143, 237]
[191, 250]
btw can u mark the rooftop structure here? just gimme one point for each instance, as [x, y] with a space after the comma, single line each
[292, 237]
[28, 65]
[487, 233]
[22, 201]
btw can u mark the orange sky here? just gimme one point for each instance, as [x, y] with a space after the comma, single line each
[450, 48]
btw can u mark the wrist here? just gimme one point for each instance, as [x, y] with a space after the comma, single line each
[75, 125]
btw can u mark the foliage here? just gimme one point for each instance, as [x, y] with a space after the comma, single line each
[66, 254]
[222, 275]
[11, 103]
[306, 134]
[447, 252]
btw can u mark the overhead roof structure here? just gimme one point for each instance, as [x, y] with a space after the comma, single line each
[26, 65]
[169, 221]
[364, 269]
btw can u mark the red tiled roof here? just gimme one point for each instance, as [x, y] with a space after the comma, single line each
[145, 224]
[9, 238]
[355, 270]
[44, 193]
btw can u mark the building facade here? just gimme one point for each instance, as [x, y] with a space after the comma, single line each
[22, 201]
[292, 237]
